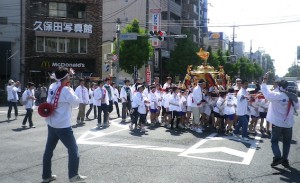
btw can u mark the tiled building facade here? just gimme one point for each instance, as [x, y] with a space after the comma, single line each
[62, 33]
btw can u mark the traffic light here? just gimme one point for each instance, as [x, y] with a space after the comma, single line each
[106, 67]
[233, 58]
[160, 35]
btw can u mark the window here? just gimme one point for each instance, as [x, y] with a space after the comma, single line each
[51, 44]
[83, 45]
[72, 45]
[195, 9]
[3, 20]
[40, 44]
[69, 10]
[61, 45]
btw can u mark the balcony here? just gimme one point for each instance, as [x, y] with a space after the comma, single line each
[174, 7]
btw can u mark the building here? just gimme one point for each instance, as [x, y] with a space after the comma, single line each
[125, 11]
[10, 40]
[191, 18]
[217, 40]
[239, 49]
[62, 33]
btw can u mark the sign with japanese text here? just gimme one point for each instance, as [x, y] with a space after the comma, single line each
[156, 25]
[62, 27]
[148, 75]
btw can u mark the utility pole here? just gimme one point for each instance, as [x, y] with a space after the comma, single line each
[6, 65]
[118, 26]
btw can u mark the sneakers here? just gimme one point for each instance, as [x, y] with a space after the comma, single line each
[198, 130]
[99, 125]
[235, 135]
[285, 163]
[131, 127]
[276, 161]
[24, 126]
[32, 126]
[52, 178]
[143, 129]
[78, 121]
[78, 178]
[245, 139]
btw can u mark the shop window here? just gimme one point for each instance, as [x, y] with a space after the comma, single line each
[61, 45]
[40, 44]
[51, 44]
[83, 46]
[72, 45]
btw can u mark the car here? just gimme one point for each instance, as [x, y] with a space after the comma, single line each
[298, 84]
[293, 87]
[251, 87]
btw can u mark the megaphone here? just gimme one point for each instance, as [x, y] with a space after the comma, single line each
[45, 109]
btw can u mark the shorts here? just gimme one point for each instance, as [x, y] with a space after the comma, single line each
[110, 106]
[254, 117]
[229, 116]
[182, 113]
[217, 115]
[262, 114]
[153, 110]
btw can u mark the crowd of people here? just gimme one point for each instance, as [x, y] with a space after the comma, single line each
[199, 107]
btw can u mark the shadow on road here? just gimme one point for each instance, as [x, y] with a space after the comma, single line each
[289, 174]
[20, 129]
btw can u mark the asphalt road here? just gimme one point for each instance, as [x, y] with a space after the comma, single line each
[117, 155]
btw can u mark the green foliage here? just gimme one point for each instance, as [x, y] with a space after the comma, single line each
[183, 55]
[293, 71]
[134, 52]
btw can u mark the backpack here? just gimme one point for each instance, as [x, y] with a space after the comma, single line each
[24, 100]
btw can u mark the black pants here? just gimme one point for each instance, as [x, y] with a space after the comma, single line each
[175, 114]
[28, 116]
[135, 116]
[10, 105]
[89, 111]
[117, 108]
[124, 106]
[102, 108]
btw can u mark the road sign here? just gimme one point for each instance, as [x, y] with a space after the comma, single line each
[128, 36]
[109, 56]
[115, 57]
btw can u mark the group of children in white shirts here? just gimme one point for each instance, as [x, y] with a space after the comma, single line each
[217, 109]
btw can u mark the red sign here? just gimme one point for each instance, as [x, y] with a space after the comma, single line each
[148, 75]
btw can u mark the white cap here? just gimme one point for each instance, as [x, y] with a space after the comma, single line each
[10, 81]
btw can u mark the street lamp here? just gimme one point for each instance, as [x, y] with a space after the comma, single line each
[118, 27]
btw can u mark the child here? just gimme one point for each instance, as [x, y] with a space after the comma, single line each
[229, 110]
[219, 111]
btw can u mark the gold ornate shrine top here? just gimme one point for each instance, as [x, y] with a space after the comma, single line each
[203, 55]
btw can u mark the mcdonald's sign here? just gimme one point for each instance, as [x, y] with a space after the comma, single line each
[45, 64]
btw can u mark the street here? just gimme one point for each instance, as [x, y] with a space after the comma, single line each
[115, 154]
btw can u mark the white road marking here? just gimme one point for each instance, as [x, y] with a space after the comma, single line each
[192, 152]
[247, 156]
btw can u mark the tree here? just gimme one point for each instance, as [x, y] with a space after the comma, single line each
[183, 55]
[293, 71]
[134, 52]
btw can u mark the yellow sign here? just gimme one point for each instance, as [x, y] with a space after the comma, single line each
[45, 64]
